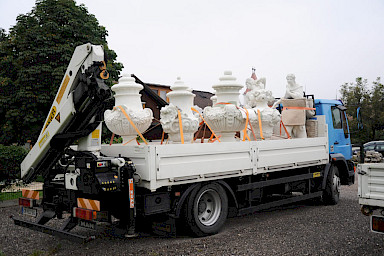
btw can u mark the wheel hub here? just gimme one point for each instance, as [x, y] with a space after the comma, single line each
[209, 207]
[336, 183]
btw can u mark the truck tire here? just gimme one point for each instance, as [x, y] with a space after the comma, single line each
[206, 210]
[331, 194]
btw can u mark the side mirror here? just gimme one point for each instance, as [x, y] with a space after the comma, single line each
[359, 119]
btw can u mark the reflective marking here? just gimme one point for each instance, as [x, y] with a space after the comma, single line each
[44, 139]
[62, 89]
[88, 204]
[32, 194]
[131, 194]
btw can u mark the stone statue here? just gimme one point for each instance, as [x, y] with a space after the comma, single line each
[293, 90]
[253, 86]
[294, 119]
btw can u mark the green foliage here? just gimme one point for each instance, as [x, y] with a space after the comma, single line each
[33, 59]
[371, 101]
[10, 159]
[14, 195]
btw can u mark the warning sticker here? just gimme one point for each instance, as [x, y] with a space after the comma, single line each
[58, 117]
[50, 118]
[43, 139]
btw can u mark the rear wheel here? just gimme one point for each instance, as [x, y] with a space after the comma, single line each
[206, 209]
[331, 193]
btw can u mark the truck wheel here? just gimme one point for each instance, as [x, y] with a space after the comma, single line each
[331, 193]
[206, 209]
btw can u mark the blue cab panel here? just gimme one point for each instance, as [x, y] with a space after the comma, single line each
[338, 130]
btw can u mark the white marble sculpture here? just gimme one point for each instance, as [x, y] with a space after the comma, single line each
[296, 127]
[253, 85]
[128, 97]
[224, 117]
[181, 98]
[258, 98]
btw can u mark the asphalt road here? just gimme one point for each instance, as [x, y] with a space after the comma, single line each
[299, 229]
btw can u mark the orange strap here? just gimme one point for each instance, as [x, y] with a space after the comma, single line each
[302, 108]
[181, 127]
[129, 141]
[112, 137]
[246, 127]
[203, 137]
[213, 133]
[246, 122]
[133, 125]
[260, 125]
[285, 129]
[162, 138]
[217, 138]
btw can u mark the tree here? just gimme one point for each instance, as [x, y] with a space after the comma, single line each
[371, 103]
[33, 60]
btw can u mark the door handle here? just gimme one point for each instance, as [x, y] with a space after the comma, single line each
[336, 143]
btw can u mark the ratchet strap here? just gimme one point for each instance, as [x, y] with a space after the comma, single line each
[260, 125]
[246, 126]
[285, 129]
[113, 136]
[162, 138]
[301, 108]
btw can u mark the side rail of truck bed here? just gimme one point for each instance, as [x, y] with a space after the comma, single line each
[167, 165]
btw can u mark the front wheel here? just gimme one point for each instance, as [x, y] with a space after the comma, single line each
[331, 193]
[206, 209]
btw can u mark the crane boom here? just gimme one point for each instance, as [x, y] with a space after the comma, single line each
[75, 111]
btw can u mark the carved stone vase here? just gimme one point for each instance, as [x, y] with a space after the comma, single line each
[180, 98]
[224, 117]
[128, 97]
[269, 116]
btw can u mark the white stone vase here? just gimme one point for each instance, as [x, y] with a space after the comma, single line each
[128, 97]
[181, 98]
[224, 117]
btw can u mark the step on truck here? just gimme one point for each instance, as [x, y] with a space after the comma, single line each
[196, 185]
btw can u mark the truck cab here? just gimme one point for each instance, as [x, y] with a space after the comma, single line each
[340, 148]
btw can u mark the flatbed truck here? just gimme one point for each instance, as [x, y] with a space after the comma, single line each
[197, 185]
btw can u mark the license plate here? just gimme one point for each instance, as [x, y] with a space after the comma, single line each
[29, 211]
[87, 224]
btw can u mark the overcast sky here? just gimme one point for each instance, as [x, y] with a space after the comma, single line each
[324, 43]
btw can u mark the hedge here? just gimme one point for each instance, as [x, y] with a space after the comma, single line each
[10, 160]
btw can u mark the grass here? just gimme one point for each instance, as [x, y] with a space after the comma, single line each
[13, 195]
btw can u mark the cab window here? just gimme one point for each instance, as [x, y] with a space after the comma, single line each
[336, 118]
[339, 120]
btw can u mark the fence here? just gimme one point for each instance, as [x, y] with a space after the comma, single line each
[13, 191]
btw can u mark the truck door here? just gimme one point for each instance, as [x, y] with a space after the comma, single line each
[339, 138]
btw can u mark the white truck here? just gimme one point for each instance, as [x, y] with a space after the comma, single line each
[198, 184]
[371, 193]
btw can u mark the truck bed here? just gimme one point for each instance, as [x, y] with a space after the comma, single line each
[173, 164]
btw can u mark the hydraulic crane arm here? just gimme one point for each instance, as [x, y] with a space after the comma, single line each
[75, 112]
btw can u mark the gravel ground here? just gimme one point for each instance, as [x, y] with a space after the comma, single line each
[299, 229]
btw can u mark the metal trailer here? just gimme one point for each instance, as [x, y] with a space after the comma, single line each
[371, 193]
